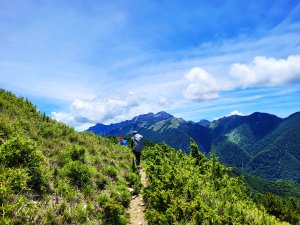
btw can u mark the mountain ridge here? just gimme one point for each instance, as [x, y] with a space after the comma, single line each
[240, 141]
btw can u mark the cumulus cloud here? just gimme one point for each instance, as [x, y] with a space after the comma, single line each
[85, 113]
[202, 85]
[64, 117]
[104, 109]
[261, 72]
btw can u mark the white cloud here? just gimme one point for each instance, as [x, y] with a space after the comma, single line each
[265, 71]
[202, 85]
[63, 117]
[164, 102]
[235, 112]
[107, 109]
[261, 72]
[101, 108]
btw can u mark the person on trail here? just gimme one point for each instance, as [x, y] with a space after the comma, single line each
[122, 141]
[137, 146]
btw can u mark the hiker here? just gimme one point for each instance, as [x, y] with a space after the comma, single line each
[137, 146]
[122, 141]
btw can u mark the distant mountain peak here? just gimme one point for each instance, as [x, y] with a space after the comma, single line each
[163, 115]
[149, 116]
[204, 123]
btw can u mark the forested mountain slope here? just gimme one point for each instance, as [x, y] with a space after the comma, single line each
[261, 143]
[279, 152]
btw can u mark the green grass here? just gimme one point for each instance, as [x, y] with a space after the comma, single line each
[51, 174]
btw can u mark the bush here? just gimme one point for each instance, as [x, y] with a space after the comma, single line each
[102, 199]
[64, 189]
[77, 154]
[113, 214]
[100, 180]
[121, 194]
[80, 213]
[5, 127]
[79, 174]
[17, 179]
[21, 154]
[134, 181]
[111, 172]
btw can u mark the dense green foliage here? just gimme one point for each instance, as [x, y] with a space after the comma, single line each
[286, 209]
[196, 190]
[50, 174]
[283, 188]
[281, 198]
[278, 154]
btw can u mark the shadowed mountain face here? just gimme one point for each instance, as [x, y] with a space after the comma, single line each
[261, 143]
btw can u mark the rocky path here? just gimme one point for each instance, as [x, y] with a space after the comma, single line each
[137, 205]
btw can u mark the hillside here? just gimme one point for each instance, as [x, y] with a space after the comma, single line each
[50, 174]
[261, 143]
[196, 190]
[281, 152]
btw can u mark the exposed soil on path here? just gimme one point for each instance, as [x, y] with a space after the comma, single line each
[137, 205]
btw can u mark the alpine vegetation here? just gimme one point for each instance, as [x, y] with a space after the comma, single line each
[196, 190]
[50, 174]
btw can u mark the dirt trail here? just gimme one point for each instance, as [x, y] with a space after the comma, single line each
[137, 205]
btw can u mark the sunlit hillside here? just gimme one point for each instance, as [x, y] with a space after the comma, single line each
[50, 174]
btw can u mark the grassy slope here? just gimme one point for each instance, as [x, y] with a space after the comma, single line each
[51, 174]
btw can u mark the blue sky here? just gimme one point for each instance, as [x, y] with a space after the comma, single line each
[84, 62]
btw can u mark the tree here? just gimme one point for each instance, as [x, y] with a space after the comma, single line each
[195, 152]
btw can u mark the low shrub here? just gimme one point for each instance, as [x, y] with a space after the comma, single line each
[79, 174]
[113, 213]
[21, 154]
[17, 179]
[111, 171]
[134, 181]
[121, 194]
